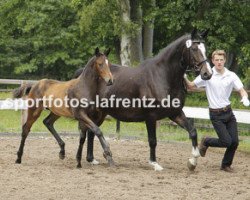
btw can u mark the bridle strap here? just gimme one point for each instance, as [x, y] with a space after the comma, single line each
[201, 62]
[186, 67]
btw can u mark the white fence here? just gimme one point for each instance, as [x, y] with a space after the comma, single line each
[5, 104]
[242, 116]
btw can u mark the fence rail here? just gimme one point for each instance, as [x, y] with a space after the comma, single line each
[15, 81]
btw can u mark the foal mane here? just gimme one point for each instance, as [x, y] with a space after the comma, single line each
[89, 64]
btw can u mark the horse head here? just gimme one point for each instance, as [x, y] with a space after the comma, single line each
[194, 54]
[102, 66]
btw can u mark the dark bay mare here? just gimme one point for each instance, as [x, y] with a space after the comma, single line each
[84, 87]
[158, 78]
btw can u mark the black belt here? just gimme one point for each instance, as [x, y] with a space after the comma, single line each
[220, 109]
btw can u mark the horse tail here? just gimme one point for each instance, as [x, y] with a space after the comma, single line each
[22, 91]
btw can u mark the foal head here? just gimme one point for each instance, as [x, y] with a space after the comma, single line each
[102, 66]
[194, 55]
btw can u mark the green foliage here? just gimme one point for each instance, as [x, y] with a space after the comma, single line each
[228, 21]
[246, 80]
[42, 37]
[52, 38]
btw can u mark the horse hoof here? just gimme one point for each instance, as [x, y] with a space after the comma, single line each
[94, 162]
[156, 166]
[18, 161]
[79, 166]
[110, 161]
[191, 166]
[112, 164]
[61, 156]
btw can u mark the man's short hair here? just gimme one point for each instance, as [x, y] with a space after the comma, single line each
[220, 53]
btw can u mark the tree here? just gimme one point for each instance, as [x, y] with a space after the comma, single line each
[54, 37]
[130, 21]
[228, 22]
[43, 38]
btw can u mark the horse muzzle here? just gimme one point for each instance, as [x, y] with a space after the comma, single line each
[110, 82]
[206, 76]
[206, 72]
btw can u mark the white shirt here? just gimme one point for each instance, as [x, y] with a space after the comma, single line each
[219, 87]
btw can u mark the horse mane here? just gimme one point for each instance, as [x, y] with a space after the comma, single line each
[165, 51]
[80, 71]
[172, 46]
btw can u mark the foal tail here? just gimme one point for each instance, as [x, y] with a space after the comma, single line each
[22, 91]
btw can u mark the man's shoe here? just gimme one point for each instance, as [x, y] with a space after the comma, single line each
[202, 147]
[227, 169]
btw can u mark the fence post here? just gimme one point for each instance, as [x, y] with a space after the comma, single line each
[23, 111]
[118, 128]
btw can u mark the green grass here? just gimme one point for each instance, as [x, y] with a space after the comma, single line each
[245, 145]
[11, 123]
[5, 95]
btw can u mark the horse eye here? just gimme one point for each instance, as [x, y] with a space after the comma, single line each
[100, 65]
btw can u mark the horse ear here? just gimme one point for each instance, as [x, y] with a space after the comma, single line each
[97, 51]
[204, 33]
[193, 33]
[106, 53]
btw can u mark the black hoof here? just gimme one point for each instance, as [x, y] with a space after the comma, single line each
[79, 166]
[61, 155]
[89, 159]
[18, 161]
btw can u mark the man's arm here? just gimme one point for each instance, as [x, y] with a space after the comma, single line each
[244, 97]
[190, 84]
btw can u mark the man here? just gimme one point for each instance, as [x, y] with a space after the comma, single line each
[218, 90]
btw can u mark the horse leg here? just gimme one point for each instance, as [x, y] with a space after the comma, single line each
[33, 114]
[90, 146]
[82, 139]
[184, 123]
[151, 128]
[49, 123]
[83, 118]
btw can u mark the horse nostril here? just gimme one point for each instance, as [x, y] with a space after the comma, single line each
[110, 82]
[205, 74]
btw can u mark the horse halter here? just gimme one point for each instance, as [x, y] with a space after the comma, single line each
[188, 45]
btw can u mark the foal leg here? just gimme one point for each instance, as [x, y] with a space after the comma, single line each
[49, 123]
[184, 123]
[83, 130]
[33, 114]
[90, 146]
[151, 128]
[83, 118]
[90, 157]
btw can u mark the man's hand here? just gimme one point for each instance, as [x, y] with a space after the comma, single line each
[245, 101]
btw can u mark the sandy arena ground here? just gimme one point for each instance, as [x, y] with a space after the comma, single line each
[42, 175]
